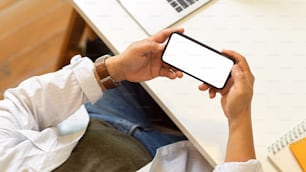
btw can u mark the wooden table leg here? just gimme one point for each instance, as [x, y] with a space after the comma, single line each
[73, 36]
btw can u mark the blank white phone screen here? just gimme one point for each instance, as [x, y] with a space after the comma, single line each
[197, 61]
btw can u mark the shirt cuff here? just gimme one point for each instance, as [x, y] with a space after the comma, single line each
[252, 165]
[83, 68]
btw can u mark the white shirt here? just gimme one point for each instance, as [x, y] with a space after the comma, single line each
[43, 119]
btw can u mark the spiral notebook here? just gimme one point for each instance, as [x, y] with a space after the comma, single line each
[279, 153]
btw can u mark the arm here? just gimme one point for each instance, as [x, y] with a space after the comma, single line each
[29, 113]
[45, 101]
[236, 103]
[49, 99]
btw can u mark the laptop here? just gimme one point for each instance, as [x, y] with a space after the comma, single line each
[155, 15]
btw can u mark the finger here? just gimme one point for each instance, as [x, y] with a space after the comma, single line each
[240, 60]
[147, 46]
[227, 86]
[212, 93]
[178, 72]
[203, 87]
[166, 72]
[162, 36]
[236, 72]
[238, 75]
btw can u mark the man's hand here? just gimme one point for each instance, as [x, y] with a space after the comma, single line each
[141, 61]
[236, 103]
[237, 94]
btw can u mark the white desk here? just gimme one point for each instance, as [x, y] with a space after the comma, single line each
[272, 36]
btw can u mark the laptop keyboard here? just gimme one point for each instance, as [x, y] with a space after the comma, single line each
[180, 5]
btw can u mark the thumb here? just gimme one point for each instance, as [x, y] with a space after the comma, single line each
[149, 46]
[236, 70]
[237, 74]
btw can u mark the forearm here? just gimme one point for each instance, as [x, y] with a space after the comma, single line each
[240, 146]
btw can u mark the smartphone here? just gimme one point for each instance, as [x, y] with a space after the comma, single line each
[197, 60]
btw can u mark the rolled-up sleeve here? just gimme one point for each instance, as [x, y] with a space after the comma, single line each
[46, 100]
[30, 114]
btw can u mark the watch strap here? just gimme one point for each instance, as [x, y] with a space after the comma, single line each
[105, 79]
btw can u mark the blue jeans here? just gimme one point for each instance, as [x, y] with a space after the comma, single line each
[130, 109]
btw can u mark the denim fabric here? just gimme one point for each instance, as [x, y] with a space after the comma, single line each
[129, 109]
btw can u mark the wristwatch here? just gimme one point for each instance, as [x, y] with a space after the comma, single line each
[106, 80]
